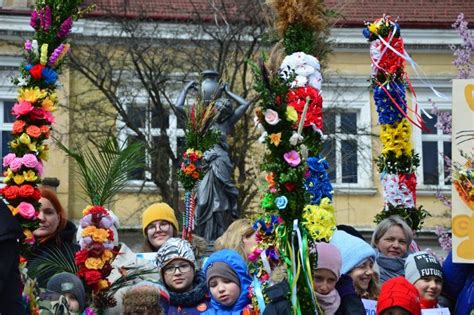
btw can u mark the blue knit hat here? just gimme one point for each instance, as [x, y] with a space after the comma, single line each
[354, 251]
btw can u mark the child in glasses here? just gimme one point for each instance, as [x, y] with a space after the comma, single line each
[228, 281]
[186, 285]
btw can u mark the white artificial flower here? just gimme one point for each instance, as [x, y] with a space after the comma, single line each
[306, 68]
[34, 47]
[295, 138]
[263, 137]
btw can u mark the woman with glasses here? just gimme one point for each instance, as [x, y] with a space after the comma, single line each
[186, 286]
[159, 224]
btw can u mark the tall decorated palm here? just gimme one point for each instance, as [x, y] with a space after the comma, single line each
[298, 200]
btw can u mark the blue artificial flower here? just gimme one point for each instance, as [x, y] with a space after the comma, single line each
[387, 110]
[28, 67]
[317, 164]
[312, 184]
[281, 202]
[366, 32]
[49, 75]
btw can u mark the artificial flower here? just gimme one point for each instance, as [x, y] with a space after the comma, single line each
[18, 127]
[11, 192]
[275, 138]
[94, 263]
[103, 284]
[303, 68]
[386, 99]
[32, 94]
[25, 139]
[18, 179]
[292, 158]
[35, 71]
[48, 105]
[29, 237]
[44, 54]
[271, 117]
[98, 235]
[267, 201]
[7, 159]
[33, 131]
[281, 202]
[396, 138]
[49, 75]
[107, 255]
[81, 256]
[22, 108]
[13, 210]
[291, 114]
[29, 160]
[289, 186]
[16, 164]
[319, 220]
[26, 210]
[26, 191]
[298, 98]
[30, 176]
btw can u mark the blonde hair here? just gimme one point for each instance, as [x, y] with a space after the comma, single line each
[386, 224]
[373, 289]
[233, 236]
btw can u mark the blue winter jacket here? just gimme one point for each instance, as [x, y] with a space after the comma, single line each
[458, 285]
[237, 263]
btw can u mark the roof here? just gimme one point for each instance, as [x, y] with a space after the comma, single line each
[412, 14]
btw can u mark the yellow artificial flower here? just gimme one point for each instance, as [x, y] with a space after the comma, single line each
[25, 139]
[107, 255]
[97, 234]
[319, 220]
[275, 138]
[32, 94]
[8, 175]
[32, 146]
[86, 210]
[291, 114]
[43, 152]
[18, 179]
[13, 210]
[94, 263]
[44, 54]
[48, 105]
[396, 138]
[14, 143]
[30, 176]
[102, 285]
[373, 28]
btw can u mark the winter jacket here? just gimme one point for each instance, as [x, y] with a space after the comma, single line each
[50, 249]
[192, 302]
[279, 299]
[458, 285]
[237, 263]
[10, 282]
[351, 304]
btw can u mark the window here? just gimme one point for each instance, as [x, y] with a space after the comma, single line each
[347, 147]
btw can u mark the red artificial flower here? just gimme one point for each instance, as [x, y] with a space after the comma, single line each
[289, 186]
[26, 191]
[81, 256]
[10, 192]
[96, 250]
[96, 210]
[37, 114]
[36, 70]
[111, 235]
[410, 181]
[36, 194]
[390, 61]
[106, 270]
[278, 100]
[92, 276]
[195, 175]
[297, 99]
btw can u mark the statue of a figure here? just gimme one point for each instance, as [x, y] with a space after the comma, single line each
[216, 196]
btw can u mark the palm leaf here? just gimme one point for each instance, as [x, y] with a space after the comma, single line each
[103, 169]
[52, 261]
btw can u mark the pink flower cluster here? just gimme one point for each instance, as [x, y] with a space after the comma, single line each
[28, 160]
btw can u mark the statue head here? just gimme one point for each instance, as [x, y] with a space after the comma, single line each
[224, 106]
[210, 86]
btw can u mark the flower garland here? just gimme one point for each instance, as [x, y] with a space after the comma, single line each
[463, 180]
[36, 102]
[199, 138]
[397, 162]
[97, 248]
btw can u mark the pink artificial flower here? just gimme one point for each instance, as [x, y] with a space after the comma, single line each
[26, 210]
[49, 117]
[7, 159]
[39, 168]
[22, 108]
[264, 277]
[292, 158]
[106, 222]
[30, 160]
[86, 221]
[271, 117]
[16, 164]
[253, 256]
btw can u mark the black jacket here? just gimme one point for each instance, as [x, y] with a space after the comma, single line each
[10, 229]
[279, 299]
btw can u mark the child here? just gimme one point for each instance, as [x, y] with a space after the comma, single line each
[325, 276]
[398, 297]
[424, 272]
[142, 300]
[71, 287]
[228, 281]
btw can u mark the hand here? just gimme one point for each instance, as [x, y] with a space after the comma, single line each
[191, 85]
[226, 87]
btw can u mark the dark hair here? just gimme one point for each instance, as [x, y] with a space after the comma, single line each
[53, 198]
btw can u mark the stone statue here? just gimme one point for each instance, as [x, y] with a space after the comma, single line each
[216, 196]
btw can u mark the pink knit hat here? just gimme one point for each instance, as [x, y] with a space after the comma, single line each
[329, 258]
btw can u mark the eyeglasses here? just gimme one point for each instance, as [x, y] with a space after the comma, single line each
[162, 226]
[183, 268]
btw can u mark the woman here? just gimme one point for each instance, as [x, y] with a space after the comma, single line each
[239, 236]
[391, 239]
[159, 224]
[55, 235]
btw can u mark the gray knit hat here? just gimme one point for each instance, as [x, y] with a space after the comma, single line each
[66, 282]
[421, 264]
[174, 248]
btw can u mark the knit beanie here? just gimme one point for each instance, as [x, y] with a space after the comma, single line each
[220, 269]
[66, 282]
[329, 258]
[354, 251]
[141, 299]
[421, 264]
[399, 292]
[174, 248]
[159, 211]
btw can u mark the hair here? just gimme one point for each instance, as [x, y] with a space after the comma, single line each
[53, 198]
[233, 236]
[390, 310]
[143, 299]
[147, 247]
[386, 224]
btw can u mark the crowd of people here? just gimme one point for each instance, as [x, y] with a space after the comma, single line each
[182, 279]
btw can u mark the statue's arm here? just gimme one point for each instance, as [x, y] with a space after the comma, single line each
[182, 95]
[243, 104]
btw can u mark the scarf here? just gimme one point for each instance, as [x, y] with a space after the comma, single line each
[424, 303]
[329, 302]
[192, 297]
[390, 267]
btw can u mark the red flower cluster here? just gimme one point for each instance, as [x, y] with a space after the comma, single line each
[26, 191]
[390, 61]
[297, 99]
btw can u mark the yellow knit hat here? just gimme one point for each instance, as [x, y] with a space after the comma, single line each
[159, 211]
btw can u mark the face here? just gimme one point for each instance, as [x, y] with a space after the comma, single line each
[395, 311]
[178, 275]
[362, 274]
[49, 219]
[324, 281]
[429, 287]
[393, 243]
[158, 232]
[250, 242]
[224, 291]
[72, 302]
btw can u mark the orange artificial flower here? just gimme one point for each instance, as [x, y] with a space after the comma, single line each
[18, 127]
[275, 138]
[189, 169]
[195, 175]
[33, 131]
